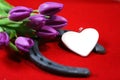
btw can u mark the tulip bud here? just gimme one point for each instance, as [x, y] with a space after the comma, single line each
[24, 43]
[47, 32]
[19, 13]
[4, 38]
[36, 22]
[50, 8]
[56, 22]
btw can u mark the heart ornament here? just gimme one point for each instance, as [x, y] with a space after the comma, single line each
[82, 42]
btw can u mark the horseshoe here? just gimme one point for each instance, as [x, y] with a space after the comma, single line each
[41, 61]
[48, 65]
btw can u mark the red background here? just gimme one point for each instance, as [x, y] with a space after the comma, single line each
[102, 15]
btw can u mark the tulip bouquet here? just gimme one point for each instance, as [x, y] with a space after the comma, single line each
[20, 25]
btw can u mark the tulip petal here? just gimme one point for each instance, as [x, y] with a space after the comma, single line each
[36, 21]
[56, 22]
[24, 43]
[47, 32]
[4, 38]
[19, 16]
[20, 9]
[19, 13]
[50, 8]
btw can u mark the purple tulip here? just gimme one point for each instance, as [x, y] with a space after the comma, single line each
[4, 38]
[19, 13]
[56, 22]
[50, 8]
[36, 21]
[47, 32]
[24, 43]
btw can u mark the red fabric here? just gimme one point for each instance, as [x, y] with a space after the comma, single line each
[102, 15]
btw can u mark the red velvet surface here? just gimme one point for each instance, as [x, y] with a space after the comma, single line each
[102, 15]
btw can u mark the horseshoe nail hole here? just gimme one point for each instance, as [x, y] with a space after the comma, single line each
[49, 63]
[41, 59]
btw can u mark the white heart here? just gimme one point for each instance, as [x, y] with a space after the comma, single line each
[81, 43]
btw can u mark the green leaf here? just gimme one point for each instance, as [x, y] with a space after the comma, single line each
[11, 32]
[4, 21]
[14, 24]
[5, 6]
[21, 29]
[25, 31]
[1, 29]
[6, 3]
[2, 12]
[9, 23]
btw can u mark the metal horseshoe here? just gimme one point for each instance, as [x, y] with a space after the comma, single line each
[41, 61]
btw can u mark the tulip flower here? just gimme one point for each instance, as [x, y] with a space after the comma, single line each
[56, 22]
[24, 43]
[47, 32]
[19, 13]
[50, 8]
[4, 38]
[36, 21]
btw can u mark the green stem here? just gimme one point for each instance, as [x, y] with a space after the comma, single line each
[16, 36]
[2, 17]
[47, 17]
[35, 11]
[13, 47]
